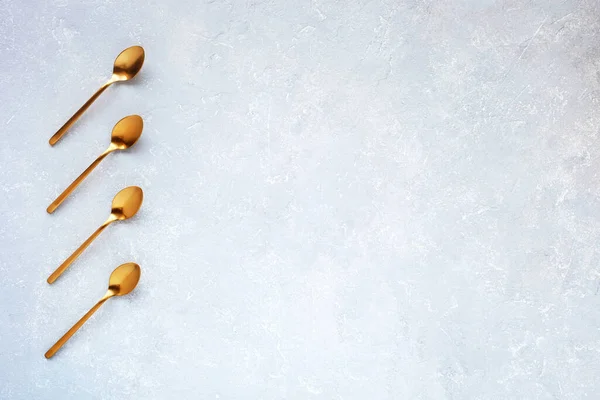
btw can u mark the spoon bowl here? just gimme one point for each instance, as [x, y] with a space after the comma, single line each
[127, 202]
[128, 63]
[124, 278]
[126, 132]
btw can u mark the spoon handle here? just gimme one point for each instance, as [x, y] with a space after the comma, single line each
[59, 134]
[78, 252]
[77, 325]
[54, 205]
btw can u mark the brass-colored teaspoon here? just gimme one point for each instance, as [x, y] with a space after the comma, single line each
[122, 281]
[124, 135]
[127, 65]
[125, 204]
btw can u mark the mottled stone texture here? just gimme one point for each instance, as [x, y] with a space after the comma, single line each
[350, 199]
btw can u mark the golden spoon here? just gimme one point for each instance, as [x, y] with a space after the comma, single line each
[125, 204]
[122, 281]
[124, 135]
[127, 65]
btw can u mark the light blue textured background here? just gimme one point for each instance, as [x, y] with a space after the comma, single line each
[353, 199]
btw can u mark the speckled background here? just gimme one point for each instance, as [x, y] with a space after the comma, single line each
[343, 200]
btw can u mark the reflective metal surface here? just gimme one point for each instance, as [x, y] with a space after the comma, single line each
[124, 135]
[127, 64]
[125, 205]
[122, 281]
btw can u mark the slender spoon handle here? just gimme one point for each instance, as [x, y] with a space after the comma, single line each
[54, 205]
[59, 134]
[78, 252]
[77, 325]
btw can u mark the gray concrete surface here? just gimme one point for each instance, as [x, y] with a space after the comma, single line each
[343, 200]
